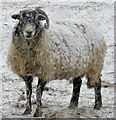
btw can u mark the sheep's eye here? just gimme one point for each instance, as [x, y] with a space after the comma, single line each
[21, 20]
[23, 15]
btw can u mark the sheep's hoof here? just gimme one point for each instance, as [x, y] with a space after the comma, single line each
[97, 106]
[38, 113]
[27, 111]
[72, 106]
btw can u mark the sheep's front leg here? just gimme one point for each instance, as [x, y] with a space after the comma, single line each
[39, 92]
[76, 91]
[28, 82]
[98, 98]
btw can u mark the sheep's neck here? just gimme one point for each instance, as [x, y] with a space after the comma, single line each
[29, 47]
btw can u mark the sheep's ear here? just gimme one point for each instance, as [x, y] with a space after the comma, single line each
[16, 16]
[41, 17]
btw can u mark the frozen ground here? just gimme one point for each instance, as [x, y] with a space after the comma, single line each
[57, 98]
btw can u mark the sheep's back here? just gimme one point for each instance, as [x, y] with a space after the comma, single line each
[75, 48]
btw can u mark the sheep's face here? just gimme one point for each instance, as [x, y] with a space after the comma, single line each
[30, 23]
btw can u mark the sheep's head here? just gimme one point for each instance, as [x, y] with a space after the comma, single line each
[30, 23]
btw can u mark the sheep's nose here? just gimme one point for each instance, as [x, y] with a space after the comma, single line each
[29, 32]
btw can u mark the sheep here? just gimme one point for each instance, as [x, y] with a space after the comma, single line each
[59, 52]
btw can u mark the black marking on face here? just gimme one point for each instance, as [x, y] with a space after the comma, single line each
[29, 23]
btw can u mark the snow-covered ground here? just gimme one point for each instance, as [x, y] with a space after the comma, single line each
[57, 98]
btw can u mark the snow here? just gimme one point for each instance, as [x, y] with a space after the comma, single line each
[55, 101]
[61, 1]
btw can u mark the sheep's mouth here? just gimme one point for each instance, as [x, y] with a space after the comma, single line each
[28, 37]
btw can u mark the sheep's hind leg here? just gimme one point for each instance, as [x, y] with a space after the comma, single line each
[28, 82]
[39, 92]
[76, 91]
[98, 98]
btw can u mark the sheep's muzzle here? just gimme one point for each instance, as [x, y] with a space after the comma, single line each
[29, 31]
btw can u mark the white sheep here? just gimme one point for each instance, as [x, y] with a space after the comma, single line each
[67, 50]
